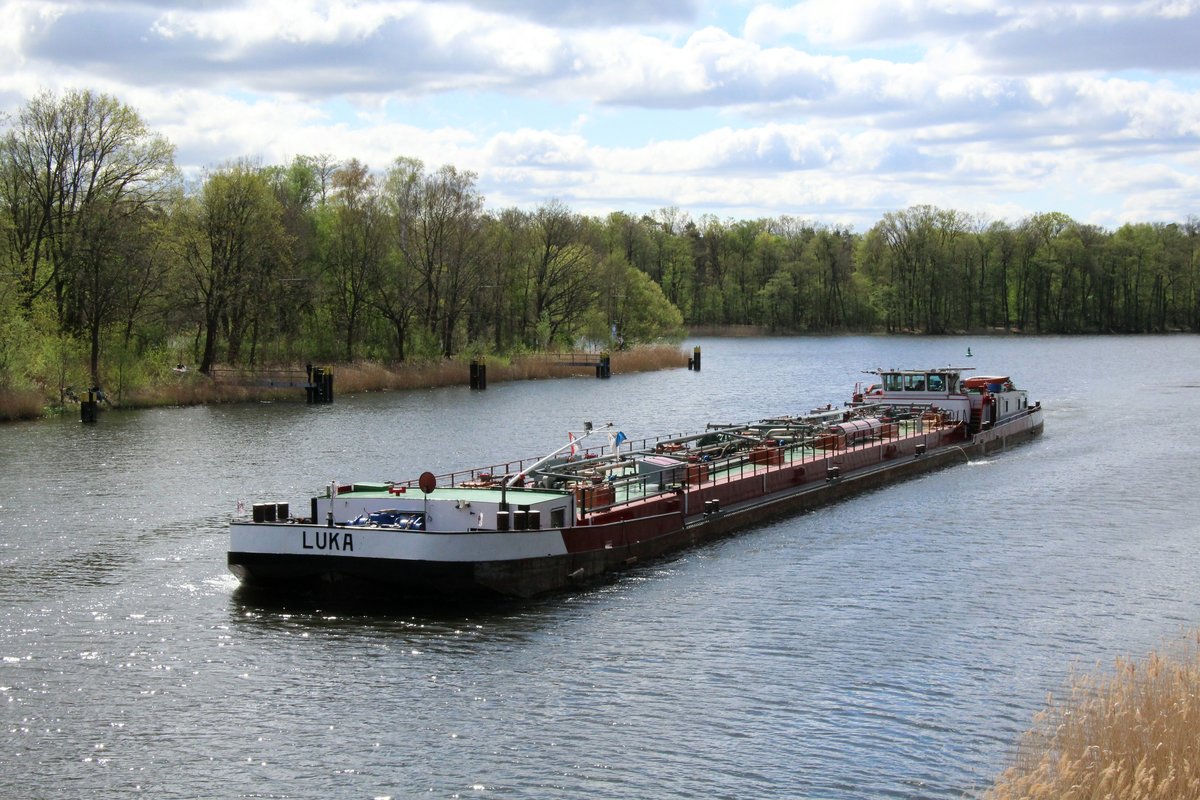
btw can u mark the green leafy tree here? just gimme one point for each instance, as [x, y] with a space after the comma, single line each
[560, 272]
[439, 230]
[646, 314]
[233, 239]
[356, 249]
[116, 272]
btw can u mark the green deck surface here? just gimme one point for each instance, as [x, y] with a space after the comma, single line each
[464, 494]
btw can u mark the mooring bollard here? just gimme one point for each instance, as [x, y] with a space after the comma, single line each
[604, 366]
[320, 384]
[89, 406]
[478, 374]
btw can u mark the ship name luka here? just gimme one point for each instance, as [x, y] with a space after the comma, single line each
[327, 540]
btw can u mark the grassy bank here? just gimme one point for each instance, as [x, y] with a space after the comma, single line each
[1131, 735]
[195, 389]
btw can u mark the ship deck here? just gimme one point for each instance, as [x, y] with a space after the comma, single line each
[624, 488]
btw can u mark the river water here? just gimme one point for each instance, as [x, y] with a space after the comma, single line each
[893, 645]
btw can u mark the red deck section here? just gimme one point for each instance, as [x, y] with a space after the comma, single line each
[766, 473]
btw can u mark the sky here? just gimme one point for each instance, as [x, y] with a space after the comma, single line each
[829, 111]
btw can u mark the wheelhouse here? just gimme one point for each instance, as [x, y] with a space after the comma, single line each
[939, 381]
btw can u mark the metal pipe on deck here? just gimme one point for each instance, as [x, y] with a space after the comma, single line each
[585, 433]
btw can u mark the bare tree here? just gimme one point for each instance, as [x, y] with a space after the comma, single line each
[67, 163]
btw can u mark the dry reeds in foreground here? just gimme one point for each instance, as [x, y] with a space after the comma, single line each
[1133, 735]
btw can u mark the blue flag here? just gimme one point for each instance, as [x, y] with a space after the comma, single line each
[620, 437]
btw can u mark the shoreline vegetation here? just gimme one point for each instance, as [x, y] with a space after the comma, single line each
[1130, 735]
[193, 388]
[114, 268]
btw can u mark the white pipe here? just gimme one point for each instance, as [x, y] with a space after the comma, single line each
[567, 446]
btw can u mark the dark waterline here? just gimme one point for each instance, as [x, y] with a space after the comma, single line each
[894, 645]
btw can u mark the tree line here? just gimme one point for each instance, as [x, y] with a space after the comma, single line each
[108, 252]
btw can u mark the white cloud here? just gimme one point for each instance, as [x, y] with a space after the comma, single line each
[299, 21]
[595, 13]
[1011, 36]
[868, 22]
[821, 108]
[527, 147]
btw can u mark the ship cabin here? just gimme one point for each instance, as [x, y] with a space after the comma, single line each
[936, 389]
[445, 508]
[979, 401]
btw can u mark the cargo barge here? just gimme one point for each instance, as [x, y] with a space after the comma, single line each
[604, 502]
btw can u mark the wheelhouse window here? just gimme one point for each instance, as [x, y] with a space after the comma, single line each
[936, 382]
[893, 382]
[914, 383]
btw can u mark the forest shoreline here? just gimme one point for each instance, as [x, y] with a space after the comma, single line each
[190, 388]
[193, 388]
[762, 331]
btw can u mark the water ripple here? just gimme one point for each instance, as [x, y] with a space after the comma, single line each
[891, 646]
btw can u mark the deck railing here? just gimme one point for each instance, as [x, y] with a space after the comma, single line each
[726, 468]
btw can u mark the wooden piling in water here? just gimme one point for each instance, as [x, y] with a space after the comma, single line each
[89, 406]
[320, 384]
[478, 374]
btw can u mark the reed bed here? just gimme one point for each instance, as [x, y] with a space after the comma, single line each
[249, 386]
[196, 389]
[1132, 735]
[21, 404]
[648, 359]
[370, 377]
